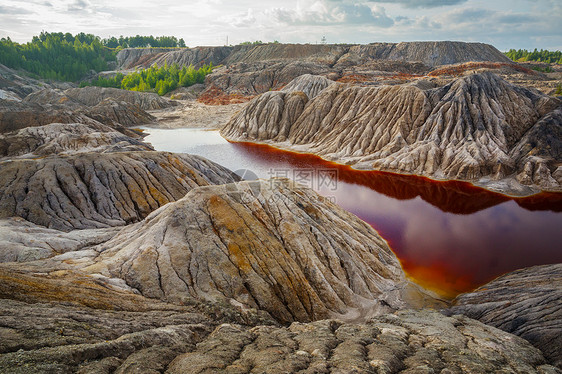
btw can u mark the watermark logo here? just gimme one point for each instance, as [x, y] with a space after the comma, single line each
[245, 193]
[322, 180]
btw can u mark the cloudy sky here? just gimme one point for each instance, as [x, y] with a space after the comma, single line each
[503, 23]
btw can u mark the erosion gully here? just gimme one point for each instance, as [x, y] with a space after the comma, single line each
[450, 237]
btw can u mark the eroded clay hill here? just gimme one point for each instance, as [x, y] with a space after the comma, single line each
[59, 138]
[156, 296]
[429, 53]
[479, 126]
[279, 248]
[134, 334]
[88, 190]
[248, 70]
[525, 303]
[82, 324]
[118, 115]
[405, 342]
[92, 96]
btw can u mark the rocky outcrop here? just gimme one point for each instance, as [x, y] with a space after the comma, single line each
[70, 324]
[317, 53]
[280, 248]
[19, 115]
[250, 70]
[47, 338]
[14, 86]
[337, 55]
[23, 241]
[466, 130]
[429, 53]
[119, 114]
[129, 58]
[92, 190]
[92, 96]
[256, 78]
[539, 149]
[196, 57]
[525, 303]
[311, 85]
[133, 334]
[58, 138]
[405, 342]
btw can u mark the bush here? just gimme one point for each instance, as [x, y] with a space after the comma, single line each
[154, 79]
[522, 55]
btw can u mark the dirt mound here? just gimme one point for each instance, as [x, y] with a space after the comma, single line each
[466, 130]
[269, 245]
[89, 190]
[524, 302]
[58, 138]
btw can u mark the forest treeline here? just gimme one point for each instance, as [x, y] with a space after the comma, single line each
[155, 79]
[139, 41]
[522, 55]
[57, 56]
[67, 57]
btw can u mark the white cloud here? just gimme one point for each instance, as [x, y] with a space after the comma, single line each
[332, 13]
[243, 19]
[421, 3]
[525, 23]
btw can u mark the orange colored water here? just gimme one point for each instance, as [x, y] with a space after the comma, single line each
[449, 236]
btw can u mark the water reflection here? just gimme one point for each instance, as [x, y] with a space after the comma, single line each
[449, 236]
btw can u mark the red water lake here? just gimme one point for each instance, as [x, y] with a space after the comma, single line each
[449, 236]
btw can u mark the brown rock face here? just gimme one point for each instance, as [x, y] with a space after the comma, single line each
[251, 70]
[525, 303]
[59, 138]
[91, 190]
[466, 130]
[79, 324]
[429, 53]
[104, 329]
[249, 79]
[19, 115]
[405, 342]
[16, 115]
[282, 249]
[92, 96]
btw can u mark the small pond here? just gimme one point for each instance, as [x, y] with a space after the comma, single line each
[449, 236]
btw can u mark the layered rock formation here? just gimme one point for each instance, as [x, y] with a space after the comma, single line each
[282, 249]
[58, 138]
[245, 80]
[23, 241]
[18, 115]
[479, 126]
[14, 86]
[428, 53]
[249, 70]
[211, 257]
[137, 334]
[406, 342]
[92, 96]
[525, 303]
[91, 190]
[311, 85]
[56, 324]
